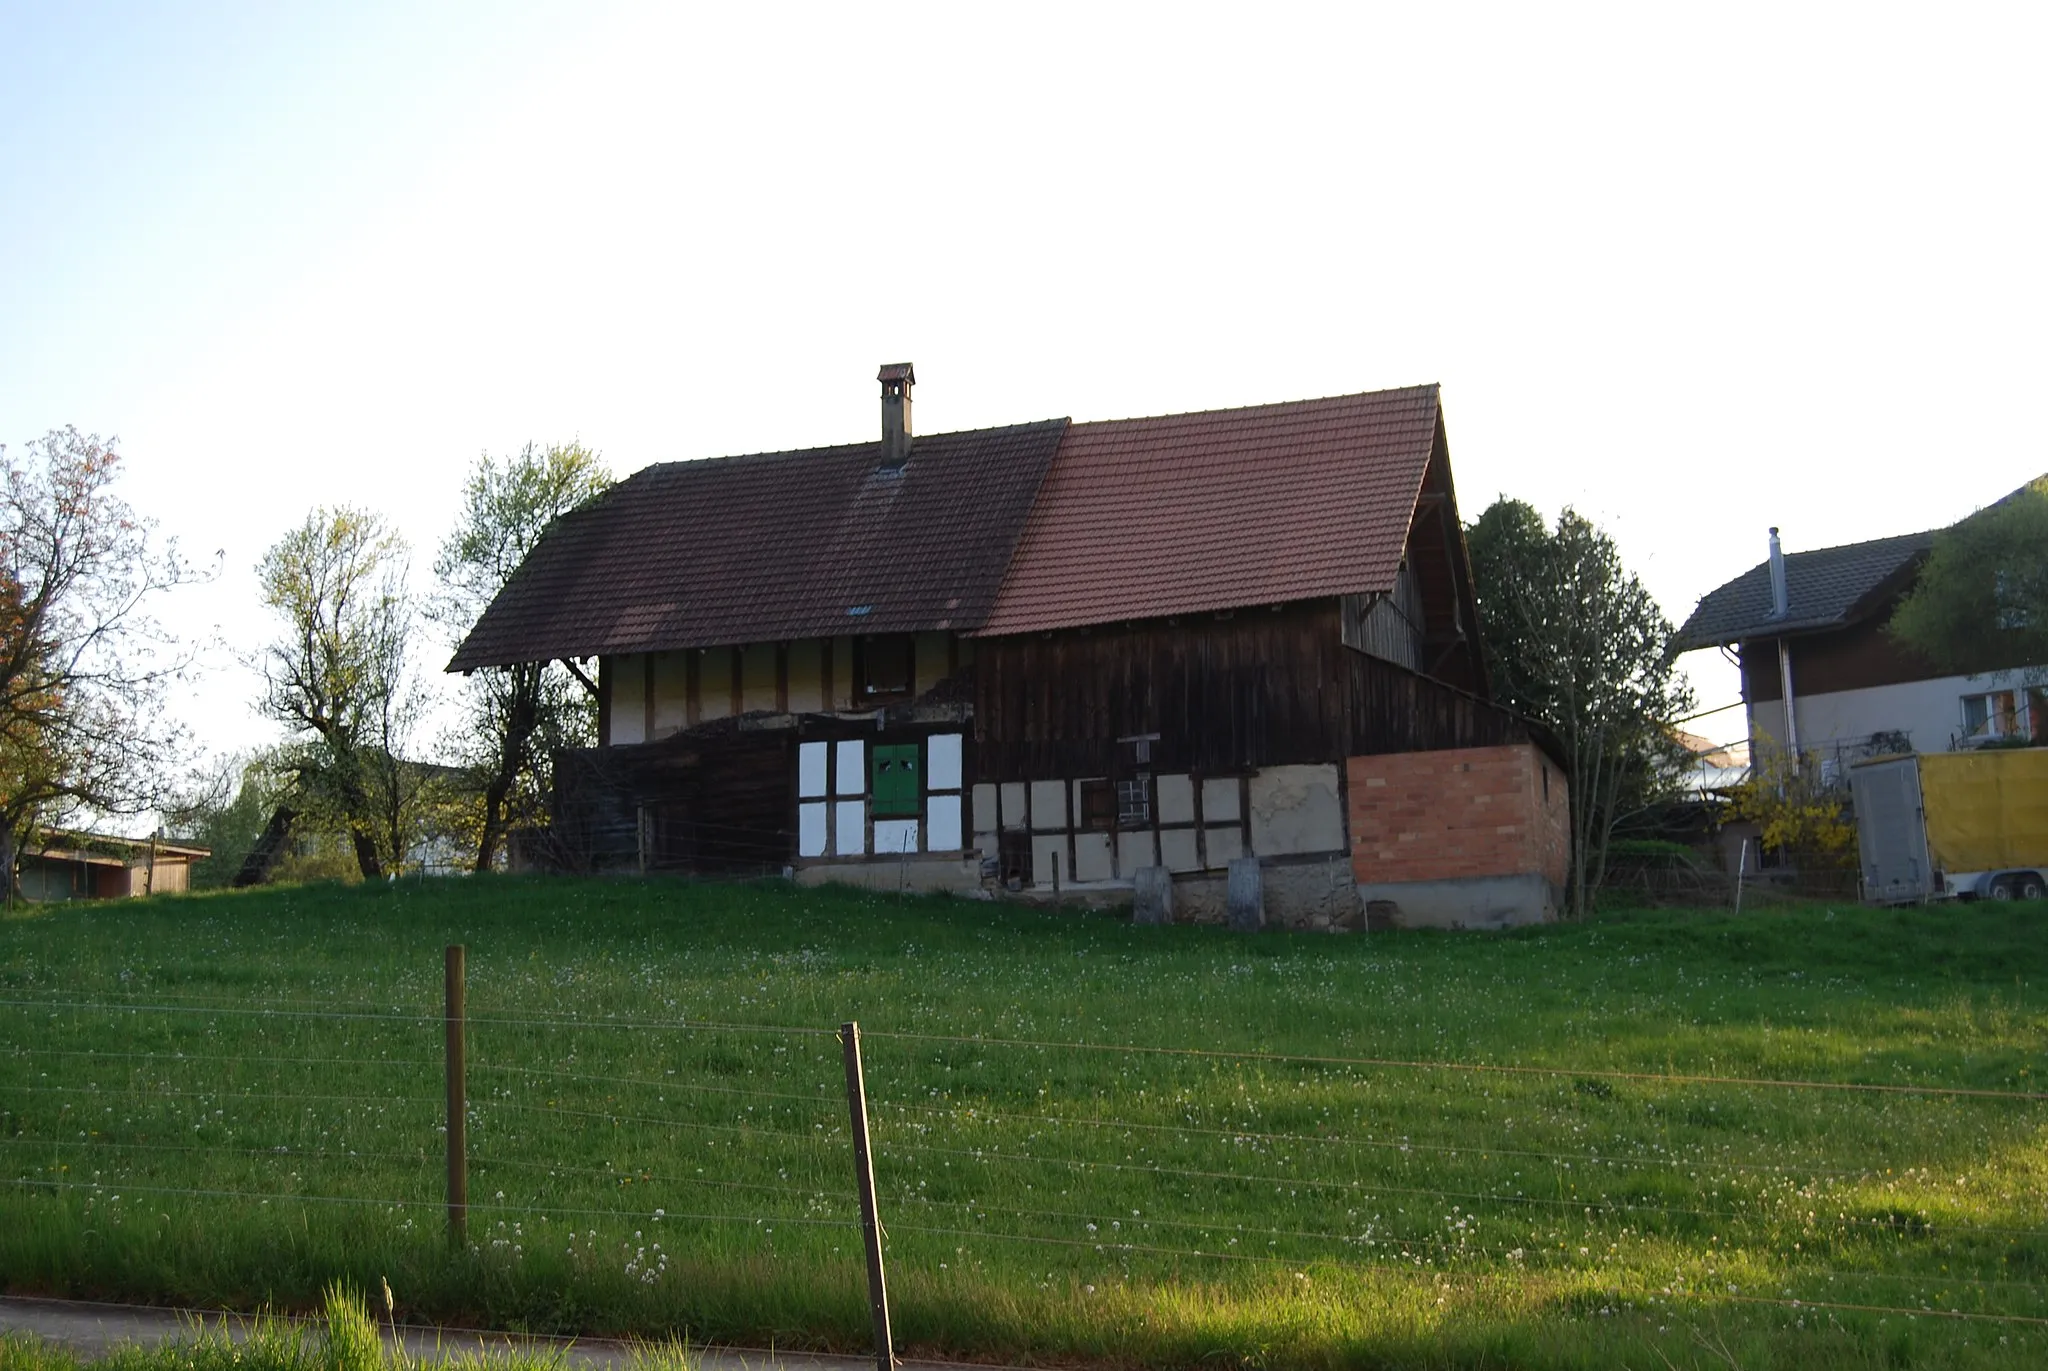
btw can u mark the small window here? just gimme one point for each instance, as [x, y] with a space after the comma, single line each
[1134, 802]
[885, 666]
[1991, 716]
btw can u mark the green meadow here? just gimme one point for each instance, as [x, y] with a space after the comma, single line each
[1614, 1143]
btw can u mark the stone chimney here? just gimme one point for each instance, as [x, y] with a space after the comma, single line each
[897, 378]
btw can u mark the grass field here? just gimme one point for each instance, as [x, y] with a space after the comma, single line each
[234, 1099]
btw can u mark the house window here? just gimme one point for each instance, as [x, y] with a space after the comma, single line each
[882, 799]
[886, 667]
[1134, 802]
[1992, 716]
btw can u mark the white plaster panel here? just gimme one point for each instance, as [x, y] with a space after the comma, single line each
[1295, 809]
[942, 762]
[1092, 860]
[850, 828]
[893, 836]
[810, 830]
[942, 814]
[850, 768]
[629, 699]
[985, 817]
[1048, 804]
[986, 844]
[807, 676]
[1177, 850]
[757, 677]
[671, 694]
[1223, 846]
[811, 759]
[1013, 804]
[714, 683]
[1134, 850]
[1176, 800]
[1044, 848]
[1219, 800]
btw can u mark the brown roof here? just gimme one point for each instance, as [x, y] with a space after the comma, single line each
[776, 546]
[1185, 513]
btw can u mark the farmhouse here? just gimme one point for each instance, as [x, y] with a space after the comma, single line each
[1055, 655]
[1822, 678]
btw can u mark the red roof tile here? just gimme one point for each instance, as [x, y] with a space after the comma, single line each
[1141, 518]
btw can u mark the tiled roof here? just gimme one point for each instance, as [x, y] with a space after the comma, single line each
[1826, 588]
[1187, 513]
[777, 546]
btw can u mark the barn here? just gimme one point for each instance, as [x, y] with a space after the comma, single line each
[1055, 655]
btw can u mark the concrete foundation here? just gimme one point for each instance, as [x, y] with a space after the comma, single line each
[917, 873]
[1462, 902]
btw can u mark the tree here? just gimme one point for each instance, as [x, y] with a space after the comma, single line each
[1575, 642]
[340, 678]
[519, 715]
[84, 668]
[1980, 604]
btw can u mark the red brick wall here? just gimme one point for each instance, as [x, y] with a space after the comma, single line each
[1479, 811]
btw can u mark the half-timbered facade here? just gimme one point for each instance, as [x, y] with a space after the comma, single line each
[1051, 655]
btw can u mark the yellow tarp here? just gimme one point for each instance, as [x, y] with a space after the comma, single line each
[1986, 809]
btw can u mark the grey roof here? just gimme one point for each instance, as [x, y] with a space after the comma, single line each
[1826, 588]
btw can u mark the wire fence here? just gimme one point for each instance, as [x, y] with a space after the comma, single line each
[638, 1145]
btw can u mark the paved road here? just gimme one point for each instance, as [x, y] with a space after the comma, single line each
[91, 1330]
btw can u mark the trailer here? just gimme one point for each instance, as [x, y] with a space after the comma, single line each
[1953, 825]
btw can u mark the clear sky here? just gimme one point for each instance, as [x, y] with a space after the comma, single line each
[1695, 271]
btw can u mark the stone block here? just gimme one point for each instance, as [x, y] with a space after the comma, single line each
[1245, 900]
[1152, 896]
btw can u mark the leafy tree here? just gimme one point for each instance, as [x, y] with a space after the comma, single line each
[339, 677]
[518, 715]
[1794, 812]
[1575, 642]
[1981, 602]
[84, 668]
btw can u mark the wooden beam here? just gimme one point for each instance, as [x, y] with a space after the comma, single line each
[588, 684]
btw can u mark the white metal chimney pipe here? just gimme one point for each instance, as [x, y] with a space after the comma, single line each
[1781, 600]
[1781, 606]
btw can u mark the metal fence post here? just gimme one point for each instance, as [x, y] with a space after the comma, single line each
[864, 1179]
[458, 1100]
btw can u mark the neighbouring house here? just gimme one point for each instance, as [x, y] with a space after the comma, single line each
[1808, 628]
[94, 866]
[1050, 656]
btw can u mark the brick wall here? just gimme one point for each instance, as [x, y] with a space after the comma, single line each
[1480, 811]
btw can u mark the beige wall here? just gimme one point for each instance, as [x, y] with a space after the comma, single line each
[814, 675]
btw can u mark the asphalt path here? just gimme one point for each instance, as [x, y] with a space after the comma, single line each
[91, 1330]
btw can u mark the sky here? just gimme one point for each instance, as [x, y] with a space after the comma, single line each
[1692, 271]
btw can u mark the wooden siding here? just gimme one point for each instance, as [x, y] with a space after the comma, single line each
[1224, 694]
[717, 802]
[1850, 658]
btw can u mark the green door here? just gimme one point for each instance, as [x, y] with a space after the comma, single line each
[896, 790]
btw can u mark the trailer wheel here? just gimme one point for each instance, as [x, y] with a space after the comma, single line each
[2031, 886]
[2002, 888]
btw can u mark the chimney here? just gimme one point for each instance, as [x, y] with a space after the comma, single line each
[1781, 603]
[897, 378]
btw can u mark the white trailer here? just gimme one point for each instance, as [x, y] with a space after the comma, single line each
[1964, 825]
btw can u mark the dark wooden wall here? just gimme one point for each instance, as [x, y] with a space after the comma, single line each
[1850, 658]
[716, 803]
[1225, 694]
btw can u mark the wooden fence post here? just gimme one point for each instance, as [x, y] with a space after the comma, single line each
[458, 1101]
[864, 1179]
